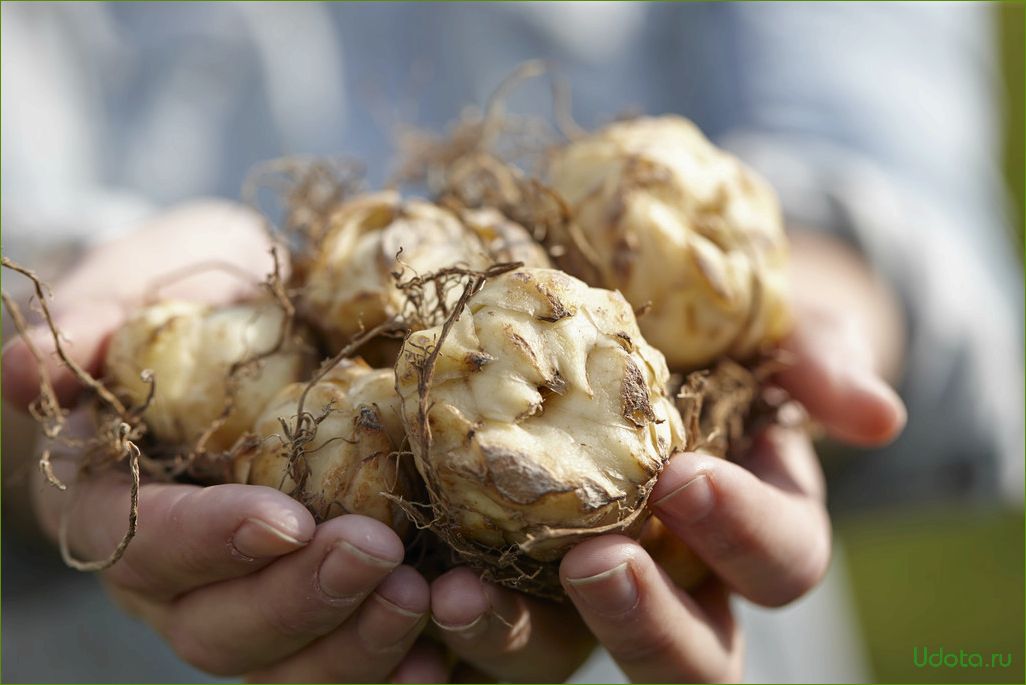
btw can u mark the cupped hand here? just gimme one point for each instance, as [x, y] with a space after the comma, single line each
[761, 525]
[240, 581]
[237, 578]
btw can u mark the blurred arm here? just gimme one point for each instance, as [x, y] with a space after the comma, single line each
[877, 123]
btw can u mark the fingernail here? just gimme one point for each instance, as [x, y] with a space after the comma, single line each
[256, 539]
[344, 572]
[689, 503]
[611, 592]
[388, 628]
[466, 631]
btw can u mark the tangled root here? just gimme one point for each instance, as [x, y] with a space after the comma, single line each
[426, 158]
[115, 442]
[480, 162]
[304, 193]
[725, 406]
[299, 431]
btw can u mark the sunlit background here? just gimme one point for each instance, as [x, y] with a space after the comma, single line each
[111, 112]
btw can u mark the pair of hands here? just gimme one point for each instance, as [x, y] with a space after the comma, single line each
[240, 580]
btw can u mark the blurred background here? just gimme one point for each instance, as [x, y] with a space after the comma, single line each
[898, 128]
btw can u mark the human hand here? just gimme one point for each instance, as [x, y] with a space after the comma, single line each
[761, 525]
[237, 578]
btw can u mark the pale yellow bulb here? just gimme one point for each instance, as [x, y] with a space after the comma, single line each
[353, 461]
[190, 348]
[679, 226]
[547, 412]
[351, 287]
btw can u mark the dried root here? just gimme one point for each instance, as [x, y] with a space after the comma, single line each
[300, 430]
[427, 295]
[480, 162]
[304, 193]
[347, 457]
[130, 450]
[427, 158]
[115, 443]
[725, 406]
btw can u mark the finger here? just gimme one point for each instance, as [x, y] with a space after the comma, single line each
[769, 544]
[507, 633]
[654, 631]
[249, 623]
[425, 663]
[205, 250]
[368, 646]
[187, 536]
[784, 457]
[833, 377]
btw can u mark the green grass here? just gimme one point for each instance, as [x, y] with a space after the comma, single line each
[1011, 37]
[951, 579]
